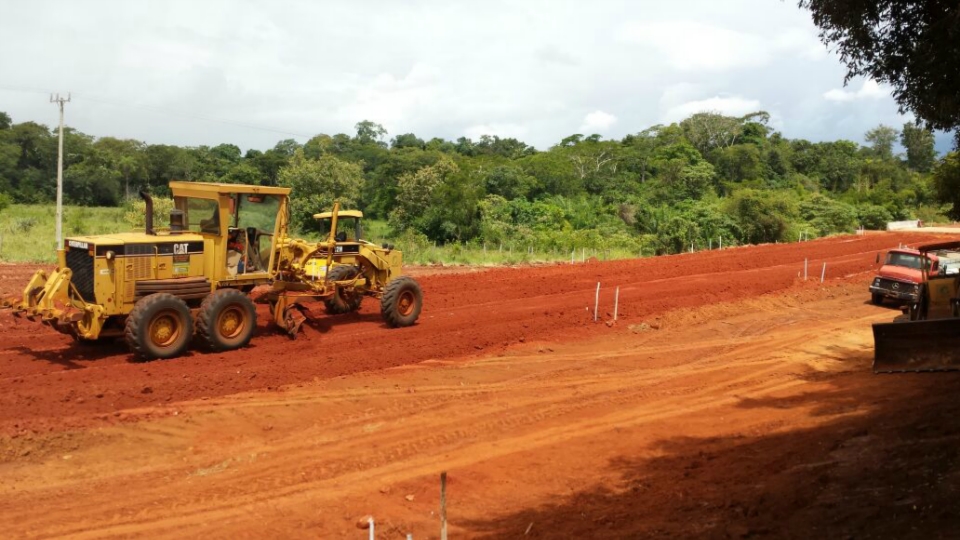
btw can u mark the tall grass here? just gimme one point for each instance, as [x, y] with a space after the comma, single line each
[28, 231]
[27, 234]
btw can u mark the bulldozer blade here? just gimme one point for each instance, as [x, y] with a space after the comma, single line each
[912, 346]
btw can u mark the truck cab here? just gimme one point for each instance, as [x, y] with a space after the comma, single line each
[901, 275]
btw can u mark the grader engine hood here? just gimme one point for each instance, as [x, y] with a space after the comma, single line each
[95, 260]
[99, 276]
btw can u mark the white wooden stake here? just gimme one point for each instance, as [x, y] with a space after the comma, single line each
[372, 533]
[804, 269]
[616, 303]
[443, 505]
[721, 243]
[583, 255]
[823, 272]
[573, 254]
[710, 243]
[596, 302]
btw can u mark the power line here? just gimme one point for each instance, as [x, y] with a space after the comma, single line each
[163, 110]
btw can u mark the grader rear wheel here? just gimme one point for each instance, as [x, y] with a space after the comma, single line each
[226, 320]
[344, 300]
[401, 303]
[159, 327]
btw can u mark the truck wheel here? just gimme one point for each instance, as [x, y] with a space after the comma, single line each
[159, 327]
[876, 299]
[343, 300]
[402, 301]
[226, 320]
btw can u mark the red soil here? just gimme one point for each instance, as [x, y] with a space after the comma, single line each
[46, 380]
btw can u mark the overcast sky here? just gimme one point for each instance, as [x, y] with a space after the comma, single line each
[211, 72]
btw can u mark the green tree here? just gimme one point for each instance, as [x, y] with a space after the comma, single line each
[881, 139]
[416, 191]
[919, 144]
[317, 184]
[370, 133]
[946, 181]
[761, 216]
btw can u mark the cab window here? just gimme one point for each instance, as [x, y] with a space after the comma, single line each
[347, 228]
[199, 215]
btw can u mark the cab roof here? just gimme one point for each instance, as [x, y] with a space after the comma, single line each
[341, 213]
[209, 189]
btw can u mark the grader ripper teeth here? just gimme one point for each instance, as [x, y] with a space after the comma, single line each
[161, 288]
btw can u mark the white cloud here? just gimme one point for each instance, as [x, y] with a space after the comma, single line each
[436, 69]
[868, 90]
[597, 122]
[697, 46]
[731, 106]
[503, 131]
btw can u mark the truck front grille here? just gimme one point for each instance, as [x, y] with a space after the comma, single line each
[80, 262]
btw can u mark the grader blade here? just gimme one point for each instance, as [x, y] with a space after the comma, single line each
[912, 346]
[293, 318]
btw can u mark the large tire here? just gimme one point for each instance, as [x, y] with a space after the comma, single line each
[402, 301]
[226, 320]
[876, 299]
[343, 299]
[159, 327]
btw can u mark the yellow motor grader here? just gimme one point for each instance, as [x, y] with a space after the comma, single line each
[161, 287]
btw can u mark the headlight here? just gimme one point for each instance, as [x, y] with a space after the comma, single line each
[876, 282]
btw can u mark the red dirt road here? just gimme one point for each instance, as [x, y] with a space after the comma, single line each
[47, 380]
[750, 412]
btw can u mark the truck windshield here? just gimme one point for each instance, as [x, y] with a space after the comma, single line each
[907, 260]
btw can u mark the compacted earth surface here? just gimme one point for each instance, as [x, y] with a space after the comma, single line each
[730, 398]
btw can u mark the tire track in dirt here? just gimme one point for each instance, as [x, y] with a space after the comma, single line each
[569, 397]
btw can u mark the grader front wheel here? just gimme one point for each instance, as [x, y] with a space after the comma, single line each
[226, 320]
[159, 327]
[401, 303]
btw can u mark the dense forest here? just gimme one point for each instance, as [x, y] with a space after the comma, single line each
[663, 189]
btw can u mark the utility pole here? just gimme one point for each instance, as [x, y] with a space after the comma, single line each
[60, 101]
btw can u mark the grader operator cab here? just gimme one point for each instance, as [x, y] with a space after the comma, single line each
[160, 287]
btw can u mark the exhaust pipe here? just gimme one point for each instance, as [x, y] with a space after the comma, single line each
[149, 212]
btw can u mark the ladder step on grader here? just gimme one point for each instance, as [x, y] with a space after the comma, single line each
[161, 288]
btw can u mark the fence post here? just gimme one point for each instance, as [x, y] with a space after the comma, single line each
[804, 269]
[596, 302]
[616, 303]
[823, 272]
[443, 505]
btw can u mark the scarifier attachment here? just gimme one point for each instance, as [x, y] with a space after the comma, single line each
[293, 318]
[910, 346]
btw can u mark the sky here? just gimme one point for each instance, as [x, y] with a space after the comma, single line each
[252, 73]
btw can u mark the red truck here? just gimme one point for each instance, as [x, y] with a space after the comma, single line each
[900, 276]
